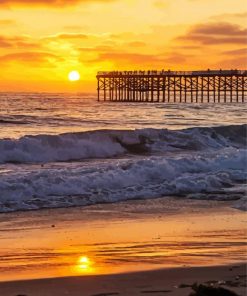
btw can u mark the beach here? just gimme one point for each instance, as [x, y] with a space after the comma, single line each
[91, 210]
[150, 244]
[123, 148]
[175, 282]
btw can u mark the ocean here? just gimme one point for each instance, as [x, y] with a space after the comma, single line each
[64, 150]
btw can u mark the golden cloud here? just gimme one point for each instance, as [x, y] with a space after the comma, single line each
[216, 33]
[238, 52]
[97, 49]
[66, 36]
[7, 22]
[17, 42]
[56, 3]
[136, 44]
[42, 59]
[138, 59]
[230, 16]
[234, 63]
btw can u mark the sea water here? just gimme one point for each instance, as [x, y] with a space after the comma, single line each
[62, 150]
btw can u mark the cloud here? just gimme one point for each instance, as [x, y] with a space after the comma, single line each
[66, 36]
[230, 16]
[56, 3]
[235, 58]
[4, 43]
[122, 36]
[187, 47]
[216, 33]
[7, 22]
[234, 63]
[224, 29]
[136, 44]
[176, 58]
[72, 36]
[97, 49]
[239, 52]
[42, 59]
[129, 57]
[138, 59]
[17, 42]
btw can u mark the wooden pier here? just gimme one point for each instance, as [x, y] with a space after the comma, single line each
[229, 86]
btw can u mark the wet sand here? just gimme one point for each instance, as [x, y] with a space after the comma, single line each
[176, 282]
[120, 238]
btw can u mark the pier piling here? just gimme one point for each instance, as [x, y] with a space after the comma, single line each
[226, 86]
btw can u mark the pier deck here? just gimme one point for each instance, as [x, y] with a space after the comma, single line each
[173, 86]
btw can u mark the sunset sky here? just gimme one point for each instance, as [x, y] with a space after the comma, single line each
[41, 41]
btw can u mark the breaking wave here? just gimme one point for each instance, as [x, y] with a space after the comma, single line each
[112, 143]
[201, 163]
[203, 176]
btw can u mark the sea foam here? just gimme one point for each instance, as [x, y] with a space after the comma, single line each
[156, 176]
[55, 171]
[111, 143]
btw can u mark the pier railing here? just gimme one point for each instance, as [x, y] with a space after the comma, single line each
[173, 86]
[168, 72]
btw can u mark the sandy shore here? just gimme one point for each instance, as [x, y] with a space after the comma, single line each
[109, 248]
[175, 281]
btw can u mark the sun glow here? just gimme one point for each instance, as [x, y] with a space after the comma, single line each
[74, 76]
[85, 264]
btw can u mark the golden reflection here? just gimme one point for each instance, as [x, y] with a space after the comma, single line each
[173, 240]
[85, 265]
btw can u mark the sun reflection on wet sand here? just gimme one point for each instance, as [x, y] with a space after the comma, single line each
[85, 242]
[85, 265]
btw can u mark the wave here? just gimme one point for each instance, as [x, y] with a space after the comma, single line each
[200, 175]
[8, 121]
[112, 143]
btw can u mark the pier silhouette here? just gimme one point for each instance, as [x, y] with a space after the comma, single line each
[229, 86]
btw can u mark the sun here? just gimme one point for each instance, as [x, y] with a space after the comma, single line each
[74, 76]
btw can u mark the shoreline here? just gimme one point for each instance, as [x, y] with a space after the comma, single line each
[96, 240]
[174, 281]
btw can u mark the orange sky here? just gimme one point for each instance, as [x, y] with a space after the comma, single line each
[42, 40]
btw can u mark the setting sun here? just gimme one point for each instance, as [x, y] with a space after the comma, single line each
[162, 36]
[74, 76]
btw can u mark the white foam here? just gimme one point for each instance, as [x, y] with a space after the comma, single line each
[121, 180]
[109, 143]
